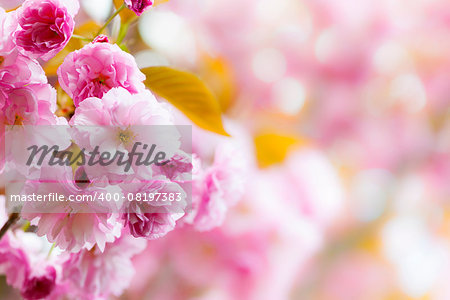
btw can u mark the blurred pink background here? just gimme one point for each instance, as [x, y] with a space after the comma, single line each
[341, 112]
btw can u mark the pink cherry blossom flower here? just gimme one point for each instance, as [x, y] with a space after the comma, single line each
[179, 167]
[71, 225]
[13, 262]
[8, 24]
[149, 225]
[33, 104]
[217, 188]
[120, 107]
[39, 286]
[25, 260]
[209, 204]
[153, 219]
[138, 6]
[117, 122]
[16, 70]
[97, 68]
[99, 275]
[26, 269]
[45, 27]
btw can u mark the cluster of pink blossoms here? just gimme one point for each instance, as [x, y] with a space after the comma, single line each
[93, 242]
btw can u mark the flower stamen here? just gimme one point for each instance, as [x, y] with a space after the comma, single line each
[101, 79]
[18, 120]
[126, 137]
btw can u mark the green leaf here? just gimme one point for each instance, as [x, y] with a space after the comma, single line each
[187, 93]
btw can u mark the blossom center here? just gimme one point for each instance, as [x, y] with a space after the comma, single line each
[101, 79]
[126, 137]
[18, 120]
[2, 59]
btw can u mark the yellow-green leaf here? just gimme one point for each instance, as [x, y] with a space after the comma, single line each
[273, 148]
[158, 2]
[187, 93]
[219, 76]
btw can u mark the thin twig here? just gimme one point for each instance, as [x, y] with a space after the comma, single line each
[79, 37]
[110, 19]
[11, 220]
[51, 250]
